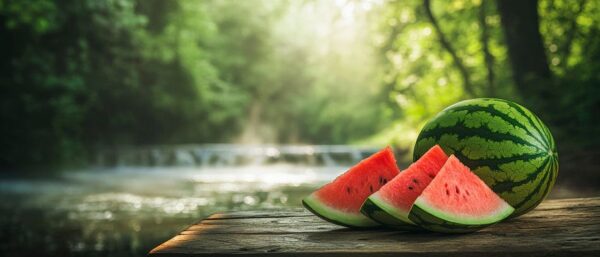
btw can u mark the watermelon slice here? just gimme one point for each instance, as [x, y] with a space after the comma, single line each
[391, 205]
[339, 201]
[458, 201]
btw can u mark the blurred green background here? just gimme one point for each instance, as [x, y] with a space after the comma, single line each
[82, 78]
[78, 76]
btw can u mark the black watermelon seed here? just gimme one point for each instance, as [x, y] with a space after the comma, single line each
[447, 192]
[457, 190]
[371, 188]
[348, 189]
[410, 188]
[415, 181]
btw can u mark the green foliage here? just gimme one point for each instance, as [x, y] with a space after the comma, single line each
[423, 78]
[96, 74]
[99, 74]
[572, 40]
[420, 74]
[325, 79]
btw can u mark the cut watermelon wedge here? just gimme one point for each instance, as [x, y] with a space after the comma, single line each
[339, 201]
[391, 205]
[458, 201]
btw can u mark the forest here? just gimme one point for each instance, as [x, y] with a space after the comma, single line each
[79, 76]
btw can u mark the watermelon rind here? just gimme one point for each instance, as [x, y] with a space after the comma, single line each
[372, 208]
[339, 217]
[502, 142]
[394, 216]
[434, 219]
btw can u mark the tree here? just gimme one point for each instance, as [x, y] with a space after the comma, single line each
[525, 45]
[458, 62]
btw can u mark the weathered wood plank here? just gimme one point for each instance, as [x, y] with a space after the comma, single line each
[297, 212]
[567, 227]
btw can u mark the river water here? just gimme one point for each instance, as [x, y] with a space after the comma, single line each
[133, 199]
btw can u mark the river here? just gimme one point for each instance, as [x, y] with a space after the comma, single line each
[133, 199]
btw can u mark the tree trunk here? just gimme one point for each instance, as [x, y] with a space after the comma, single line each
[485, 43]
[530, 68]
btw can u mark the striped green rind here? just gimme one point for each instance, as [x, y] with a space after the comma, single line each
[505, 144]
[335, 216]
[378, 210]
[430, 218]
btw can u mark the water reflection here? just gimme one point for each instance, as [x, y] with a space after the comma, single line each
[126, 211]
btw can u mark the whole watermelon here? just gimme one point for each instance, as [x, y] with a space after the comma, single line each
[505, 144]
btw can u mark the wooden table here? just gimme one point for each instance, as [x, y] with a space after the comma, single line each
[566, 227]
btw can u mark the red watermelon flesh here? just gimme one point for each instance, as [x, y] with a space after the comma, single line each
[457, 200]
[340, 200]
[397, 197]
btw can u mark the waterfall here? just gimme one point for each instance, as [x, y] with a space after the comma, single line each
[232, 155]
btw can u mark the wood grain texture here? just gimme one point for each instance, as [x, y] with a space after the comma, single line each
[566, 227]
